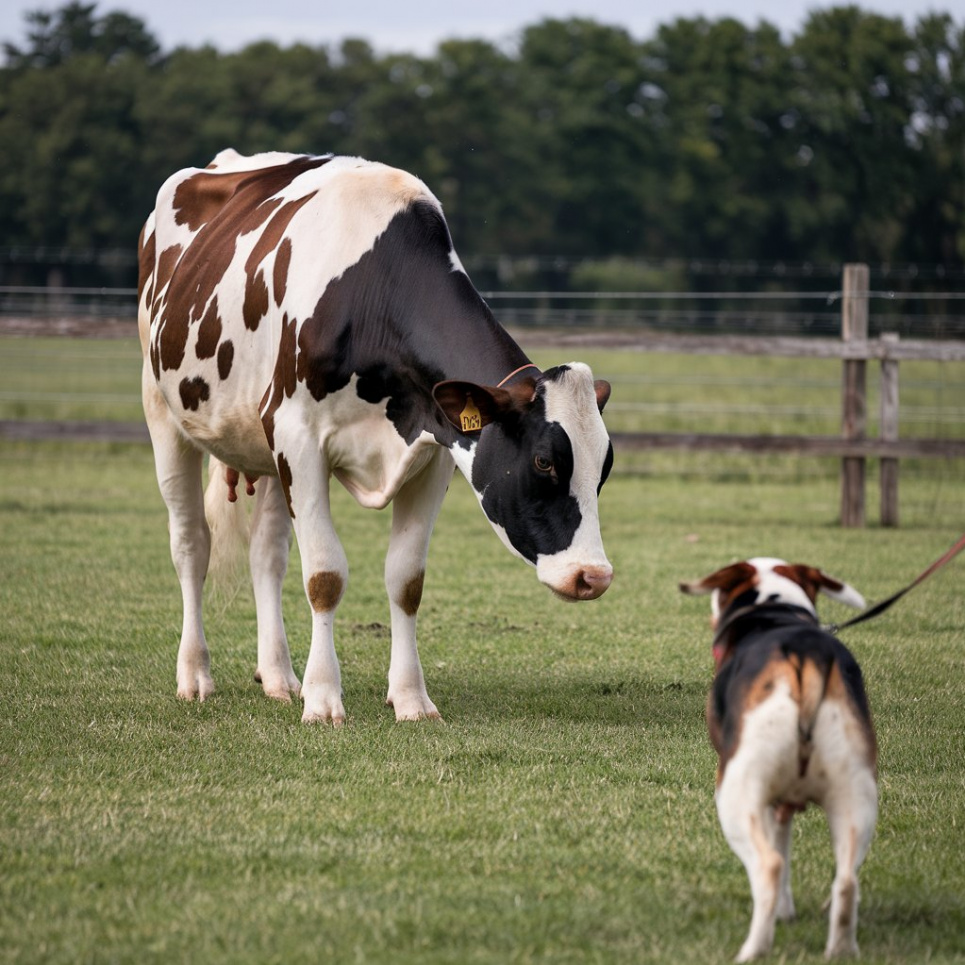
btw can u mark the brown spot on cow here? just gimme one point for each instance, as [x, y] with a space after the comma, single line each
[285, 369]
[200, 277]
[279, 278]
[225, 208]
[256, 301]
[193, 392]
[172, 339]
[199, 198]
[412, 595]
[146, 253]
[285, 478]
[283, 380]
[165, 267]
[209, 331]
[271, 238]
[172, 334]
[226, 355]
[325, 590]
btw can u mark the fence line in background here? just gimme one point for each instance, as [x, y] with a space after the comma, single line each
[807, 313]
[853, 348]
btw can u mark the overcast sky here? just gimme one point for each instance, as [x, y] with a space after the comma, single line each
[416, 26]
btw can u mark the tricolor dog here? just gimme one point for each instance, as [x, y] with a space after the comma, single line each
[307, 317]
[789, 719]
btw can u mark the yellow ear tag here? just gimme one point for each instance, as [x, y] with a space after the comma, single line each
[470, 418]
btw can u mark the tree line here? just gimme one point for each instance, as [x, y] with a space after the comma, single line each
[710, 139]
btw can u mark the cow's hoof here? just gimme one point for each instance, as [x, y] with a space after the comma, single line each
[413, 707]
[320, 709]
[429, 715]
[279, 686]
[194, 685]
[336, 720]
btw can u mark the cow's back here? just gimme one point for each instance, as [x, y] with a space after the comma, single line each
[233, 258]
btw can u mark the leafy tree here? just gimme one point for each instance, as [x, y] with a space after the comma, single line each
[579, 81]
[853, 88]
[71, 158]
[473, 151]
[72, 31]
[710, 139]
[719, 94]
[934, 229]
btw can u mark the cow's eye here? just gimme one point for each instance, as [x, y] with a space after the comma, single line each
[542, 464]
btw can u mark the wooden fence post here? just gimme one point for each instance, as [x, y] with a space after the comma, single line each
[854, 328]
[889, 432]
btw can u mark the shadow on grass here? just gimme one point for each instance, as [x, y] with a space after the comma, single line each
[482, 698]
[571, 697]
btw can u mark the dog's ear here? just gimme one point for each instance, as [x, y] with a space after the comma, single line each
[814, 581]
[726, 580]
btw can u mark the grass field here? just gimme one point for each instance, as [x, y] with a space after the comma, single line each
[563, 813]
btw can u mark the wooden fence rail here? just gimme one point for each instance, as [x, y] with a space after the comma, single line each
[854, 349]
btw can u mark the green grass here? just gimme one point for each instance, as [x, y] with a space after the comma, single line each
[70, 378]
[563, 813]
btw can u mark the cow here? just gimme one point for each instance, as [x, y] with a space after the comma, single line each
[306, 317]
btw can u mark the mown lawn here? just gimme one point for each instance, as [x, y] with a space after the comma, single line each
[563, 813]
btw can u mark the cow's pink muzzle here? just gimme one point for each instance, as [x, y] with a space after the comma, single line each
[583, 583]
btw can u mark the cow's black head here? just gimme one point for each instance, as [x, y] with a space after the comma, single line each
[538, 457]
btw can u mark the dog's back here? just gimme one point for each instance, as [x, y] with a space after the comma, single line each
[792, 695]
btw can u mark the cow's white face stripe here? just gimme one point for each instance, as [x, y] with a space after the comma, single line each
[571, 401]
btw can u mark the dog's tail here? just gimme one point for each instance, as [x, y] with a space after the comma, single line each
[813, 674]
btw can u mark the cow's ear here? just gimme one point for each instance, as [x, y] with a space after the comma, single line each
[602, 388]
[469, 406]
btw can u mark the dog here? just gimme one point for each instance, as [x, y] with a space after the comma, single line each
[789, 719]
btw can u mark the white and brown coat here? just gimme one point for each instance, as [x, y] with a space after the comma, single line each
[789, 719]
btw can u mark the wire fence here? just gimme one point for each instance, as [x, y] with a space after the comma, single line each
[924, 315]
[99, 378]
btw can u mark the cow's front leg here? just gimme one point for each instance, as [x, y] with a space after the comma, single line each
[414, 512]
[304, 474]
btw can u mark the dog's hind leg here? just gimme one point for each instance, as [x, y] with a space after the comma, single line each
[852, 816]
[782, 842]
[745, 823]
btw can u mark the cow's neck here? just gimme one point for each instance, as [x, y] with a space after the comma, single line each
[464, 340]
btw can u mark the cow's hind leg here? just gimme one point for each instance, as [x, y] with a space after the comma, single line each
[270, 547]
[414, 512]
[179, 470]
